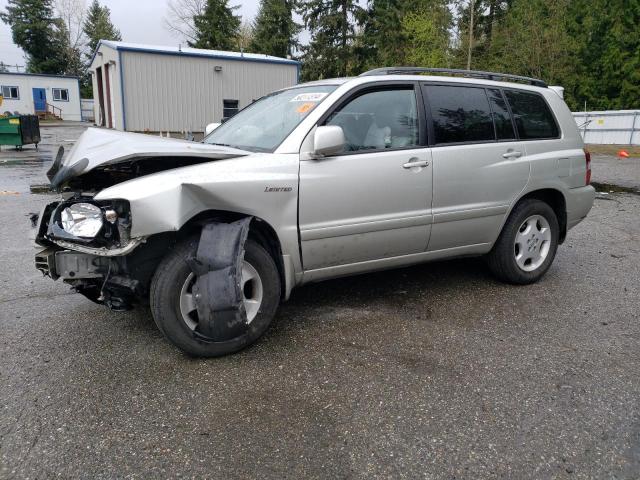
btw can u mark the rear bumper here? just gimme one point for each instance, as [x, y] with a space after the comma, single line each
[579, 203]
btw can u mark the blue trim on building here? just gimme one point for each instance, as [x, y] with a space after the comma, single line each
[204, 55]
[39, 75]
[124, 116]
[193, 54]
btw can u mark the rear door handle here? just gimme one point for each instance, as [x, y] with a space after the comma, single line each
[512, 154]
[414, 162]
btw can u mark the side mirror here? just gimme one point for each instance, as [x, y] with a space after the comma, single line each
[210, 128]
[328, 140]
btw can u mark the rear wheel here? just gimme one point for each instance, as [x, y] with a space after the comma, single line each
[527, 244]
[174, 310]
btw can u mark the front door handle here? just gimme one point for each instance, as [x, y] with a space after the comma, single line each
[512, 154]
[414, 162]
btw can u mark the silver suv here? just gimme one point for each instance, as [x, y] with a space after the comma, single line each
[337, 177]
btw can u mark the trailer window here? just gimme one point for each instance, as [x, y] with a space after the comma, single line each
[10, 93]
[60, 94]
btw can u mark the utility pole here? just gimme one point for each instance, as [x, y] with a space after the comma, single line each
[472, 4]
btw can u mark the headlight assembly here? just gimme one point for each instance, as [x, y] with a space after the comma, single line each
[82, 220]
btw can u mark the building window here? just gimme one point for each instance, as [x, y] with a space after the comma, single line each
[60, 94]
[229, 108]
[10, 93]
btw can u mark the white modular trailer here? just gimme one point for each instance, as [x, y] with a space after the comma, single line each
[173, 89]
[33, 93]
[620, 127]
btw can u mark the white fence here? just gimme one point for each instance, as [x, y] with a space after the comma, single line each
[86, 104]
[620, 127]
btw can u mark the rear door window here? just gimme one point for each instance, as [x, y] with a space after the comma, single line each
[532, 116]
[501, 116]
[459, 114]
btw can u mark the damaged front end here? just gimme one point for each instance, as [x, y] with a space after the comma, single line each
[87, 245]
[87, 238]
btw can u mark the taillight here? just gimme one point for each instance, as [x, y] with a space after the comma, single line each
[587, 159]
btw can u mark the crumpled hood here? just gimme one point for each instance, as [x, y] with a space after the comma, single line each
[98, 146]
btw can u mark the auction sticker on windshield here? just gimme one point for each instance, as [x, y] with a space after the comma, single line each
[309, 97]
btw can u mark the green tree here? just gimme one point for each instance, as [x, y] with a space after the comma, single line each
[400, 32]
[217, 27]
[35, 30]
[488, 15]
[427, 38]
[332, 25]
[274, 30]
[383, 40]
[607, 39]
[534, 40]
[97, 26]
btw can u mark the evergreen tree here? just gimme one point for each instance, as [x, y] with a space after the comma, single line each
[534, 40]
[332, 25]
[607, 39]
[274, 31]
[383, 38]
[426, 36]
[36, 31]
[97, 26]
[406, 32]
[217, 27]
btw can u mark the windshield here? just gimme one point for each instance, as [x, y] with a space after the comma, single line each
[263, 125]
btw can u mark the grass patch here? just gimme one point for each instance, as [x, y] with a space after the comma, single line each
[633, 150]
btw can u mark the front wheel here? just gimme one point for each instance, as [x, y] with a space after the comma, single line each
[173, 307]
[527, 244]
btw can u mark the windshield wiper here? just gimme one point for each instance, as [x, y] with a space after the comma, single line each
[221, 144]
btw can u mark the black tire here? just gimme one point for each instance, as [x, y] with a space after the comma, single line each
[165, 300]
[501, 259]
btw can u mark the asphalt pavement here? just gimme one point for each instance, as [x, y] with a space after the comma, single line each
[435, 371]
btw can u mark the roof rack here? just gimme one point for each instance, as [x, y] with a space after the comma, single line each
[453, 71]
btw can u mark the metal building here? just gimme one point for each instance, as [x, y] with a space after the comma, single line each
[41, 94]
[160, 89]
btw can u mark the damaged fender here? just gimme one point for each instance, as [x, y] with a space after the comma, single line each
[218, 291]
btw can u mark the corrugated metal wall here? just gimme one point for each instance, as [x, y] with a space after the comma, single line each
[620, 127]
[176, 93]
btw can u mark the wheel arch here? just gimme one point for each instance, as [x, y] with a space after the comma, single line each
[260, 231]
[556, 200]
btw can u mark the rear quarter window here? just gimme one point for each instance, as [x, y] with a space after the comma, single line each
[532, 115]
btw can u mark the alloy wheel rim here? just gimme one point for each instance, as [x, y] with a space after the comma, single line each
[252, 294]
[532, 243]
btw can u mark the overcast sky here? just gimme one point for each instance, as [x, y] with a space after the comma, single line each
[140, 21]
